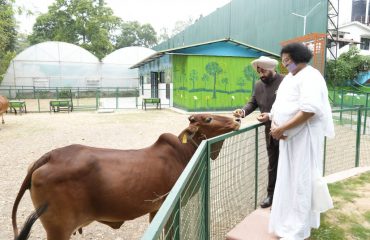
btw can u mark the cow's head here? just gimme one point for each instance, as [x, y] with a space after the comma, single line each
[204, 126]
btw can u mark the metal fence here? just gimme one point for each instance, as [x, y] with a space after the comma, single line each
[38, 99]
[212, 196]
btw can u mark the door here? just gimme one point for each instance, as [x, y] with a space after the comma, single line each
[154, 84]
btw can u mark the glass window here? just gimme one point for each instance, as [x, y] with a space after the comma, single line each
[365, 42]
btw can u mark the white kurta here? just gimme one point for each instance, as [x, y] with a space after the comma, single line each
[301, 153]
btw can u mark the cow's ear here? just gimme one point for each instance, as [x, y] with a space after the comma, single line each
[215, 149]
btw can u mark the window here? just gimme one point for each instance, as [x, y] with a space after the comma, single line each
[365, 42]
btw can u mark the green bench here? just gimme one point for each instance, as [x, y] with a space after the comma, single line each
[20, 105]
[151, 101]
[61, 105]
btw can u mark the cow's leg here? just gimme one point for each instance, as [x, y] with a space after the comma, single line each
[57, 233]
[152, 215]
[2, 119]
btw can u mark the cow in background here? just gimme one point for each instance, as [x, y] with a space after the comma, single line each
[75, 185]
[4, 105]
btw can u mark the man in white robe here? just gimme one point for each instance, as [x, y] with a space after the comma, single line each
[301, 117]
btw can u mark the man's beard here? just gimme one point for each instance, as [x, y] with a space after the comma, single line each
[267, 80]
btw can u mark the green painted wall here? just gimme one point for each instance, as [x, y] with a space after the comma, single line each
[212, 83]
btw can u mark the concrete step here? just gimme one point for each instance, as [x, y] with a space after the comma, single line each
[253, 227]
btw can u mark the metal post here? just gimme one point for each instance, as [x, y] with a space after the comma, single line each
[256, 170]
[177, 220]
[366, 107]
[207, 212]
[38, 102]
[341, 107]
[97, 99]
[358, 136]
[116, 98]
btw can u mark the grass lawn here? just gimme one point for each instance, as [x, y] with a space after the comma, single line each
[350, 217]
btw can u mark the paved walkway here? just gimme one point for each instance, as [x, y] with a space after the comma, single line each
[255, 225]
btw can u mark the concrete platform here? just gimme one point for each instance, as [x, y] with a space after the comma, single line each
[253, 227]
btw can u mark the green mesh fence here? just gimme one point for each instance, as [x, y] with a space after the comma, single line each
[38, 99]
[212, 196]
[237, 183]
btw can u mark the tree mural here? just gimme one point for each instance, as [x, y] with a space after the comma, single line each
[225, 81]
[213, 69]
[241, 82]
[251, 75]
[193, 77]
[205, 79]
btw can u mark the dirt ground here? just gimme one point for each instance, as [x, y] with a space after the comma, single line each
[24, 138]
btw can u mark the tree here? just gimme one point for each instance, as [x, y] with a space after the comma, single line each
[225, 81]
[346, 68]
[251, 75]
[181, 26]
[205, 79]
[213, 69]
[87, 23]
[163, 35]
[8, 35]
[135, 34]
[193, 77]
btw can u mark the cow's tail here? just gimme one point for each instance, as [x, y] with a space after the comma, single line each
[25, 232]
[26, 185]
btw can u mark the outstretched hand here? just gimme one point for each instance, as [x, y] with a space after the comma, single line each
[238, 113]
[263, 117]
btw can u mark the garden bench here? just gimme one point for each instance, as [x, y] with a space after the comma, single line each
[16, 104]
[61, 105]
[152, 101]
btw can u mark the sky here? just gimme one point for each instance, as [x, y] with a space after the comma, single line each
[159, 13]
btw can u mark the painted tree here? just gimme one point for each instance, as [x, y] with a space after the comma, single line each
[205, 79]
[241, 82]
[225, 81]
[193, 77]
[213, 69]
[251, 75]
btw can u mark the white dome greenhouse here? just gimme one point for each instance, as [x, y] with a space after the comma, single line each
[115, 68]
[59, 64]
[53, 64]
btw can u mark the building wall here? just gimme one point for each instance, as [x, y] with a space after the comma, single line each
[263, 24]
[203, 83]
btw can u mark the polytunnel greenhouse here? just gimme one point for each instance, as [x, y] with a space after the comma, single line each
[53, 64]
[115, 70]
[50, 71]
[60, 64]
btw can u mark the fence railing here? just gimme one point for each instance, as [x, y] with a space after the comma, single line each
[349, 99]
[212, 196]
[37, 99]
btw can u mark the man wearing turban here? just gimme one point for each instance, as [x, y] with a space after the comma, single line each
[263, 98]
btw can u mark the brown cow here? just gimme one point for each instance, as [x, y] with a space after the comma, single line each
[76, 185]
[4, 105]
